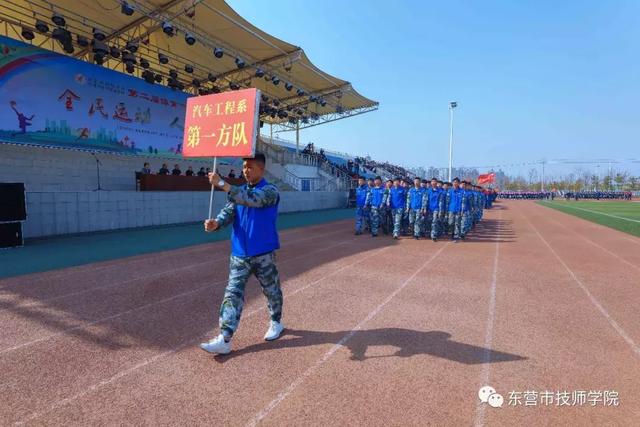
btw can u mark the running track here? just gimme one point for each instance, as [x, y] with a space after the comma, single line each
[379, 332]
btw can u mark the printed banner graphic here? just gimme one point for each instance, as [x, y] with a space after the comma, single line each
[55, 100]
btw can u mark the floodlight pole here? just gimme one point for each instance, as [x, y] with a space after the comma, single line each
[298, 136]
[452, 105]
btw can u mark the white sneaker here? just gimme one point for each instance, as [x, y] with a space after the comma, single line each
[217, 345]
[275, 329]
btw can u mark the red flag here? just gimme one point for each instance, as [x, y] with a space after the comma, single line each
[222, 125]
[486, 178]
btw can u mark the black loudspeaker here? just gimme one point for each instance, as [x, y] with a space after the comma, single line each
[12, 202]
[11, 234]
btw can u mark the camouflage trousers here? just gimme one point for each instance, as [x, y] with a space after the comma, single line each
[466, 222]
[416, 219]
[397, 215]
[240, 270]
[375, 220]
[455, 224]
[433, 218]
[360, 219]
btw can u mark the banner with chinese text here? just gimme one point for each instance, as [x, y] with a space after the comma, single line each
[55, 100]
[222, 125]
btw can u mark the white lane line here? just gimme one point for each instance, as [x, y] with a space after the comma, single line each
[151, 276]
[488, 338]
[593, 300]
[123, 313]
[149, 361]
[613, 254]
[312, 369]
[602, 213]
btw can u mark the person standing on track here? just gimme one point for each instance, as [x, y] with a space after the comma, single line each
[414, 207]
[362, 196]
[253, 210]
[397, 200]
[454, 208]
[377, 205]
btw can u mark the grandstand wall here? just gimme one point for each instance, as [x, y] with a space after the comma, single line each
[68, 212]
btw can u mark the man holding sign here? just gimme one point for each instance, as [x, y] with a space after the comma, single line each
[253, 210]
[225, 125]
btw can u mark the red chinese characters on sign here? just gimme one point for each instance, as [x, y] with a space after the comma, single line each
[221, 125]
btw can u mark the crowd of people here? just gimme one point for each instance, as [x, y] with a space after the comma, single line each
[527, 195]
[176, 171]
[420, 208]
[597, 195]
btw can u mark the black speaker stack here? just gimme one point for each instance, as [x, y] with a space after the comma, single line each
[13, 210]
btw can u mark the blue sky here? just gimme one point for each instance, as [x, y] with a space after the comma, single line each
[533, 80]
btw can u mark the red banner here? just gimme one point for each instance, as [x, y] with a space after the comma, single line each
[486, 178]
[222, 125]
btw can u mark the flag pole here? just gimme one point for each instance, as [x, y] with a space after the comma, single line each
[213, 188]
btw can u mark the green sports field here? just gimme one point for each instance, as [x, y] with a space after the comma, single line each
[623, 216]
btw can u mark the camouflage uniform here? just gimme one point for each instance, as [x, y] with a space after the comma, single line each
[262, 265]
[240, 269]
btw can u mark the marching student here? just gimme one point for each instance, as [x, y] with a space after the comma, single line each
[397, 202]
[362, 195]
[414, 207]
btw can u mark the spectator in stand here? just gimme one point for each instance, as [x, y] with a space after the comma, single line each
[163, 170]
[189, 171]
[201, 172]
[232, 174]
[146, 170]
[208, 171]
[176, 170]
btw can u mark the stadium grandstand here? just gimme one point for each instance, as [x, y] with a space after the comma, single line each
[93, 95]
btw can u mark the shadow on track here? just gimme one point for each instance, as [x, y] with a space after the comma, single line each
[408, 343]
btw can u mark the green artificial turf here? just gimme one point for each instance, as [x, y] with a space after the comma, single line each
[623, 216]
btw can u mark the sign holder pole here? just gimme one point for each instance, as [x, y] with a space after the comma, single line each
[213, 188]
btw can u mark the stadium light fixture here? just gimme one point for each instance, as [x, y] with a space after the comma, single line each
[27, 34]
[42, 26]
[58, 20]
[99, 34]
[126, 9]
[167, 28]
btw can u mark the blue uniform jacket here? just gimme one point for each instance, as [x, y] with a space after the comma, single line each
[398, 198]
[414, 198]
[434, 198]
[455, 200]
[361, 195]
[377, 196]
[254, 211]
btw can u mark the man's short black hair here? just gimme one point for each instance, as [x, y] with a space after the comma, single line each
[379, 177]
[418, 178]
[434, 179]
[456, 179]
[258, 157]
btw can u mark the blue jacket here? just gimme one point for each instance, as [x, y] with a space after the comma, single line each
[434, 198]
[361, 195]
[254, 211]
[398, 198]
[455, 200]
[414, 198]
[377, 196]
[467, 201]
